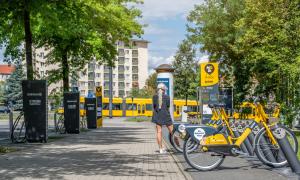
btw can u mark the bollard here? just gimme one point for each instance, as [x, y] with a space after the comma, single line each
[287, 150]
[11, 124]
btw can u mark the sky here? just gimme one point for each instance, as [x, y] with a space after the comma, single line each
[166, 28]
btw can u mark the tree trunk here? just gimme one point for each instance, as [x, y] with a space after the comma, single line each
[66, 70]
[28, 40]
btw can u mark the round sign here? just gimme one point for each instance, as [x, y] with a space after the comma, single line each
[199, 133]
[209, 69]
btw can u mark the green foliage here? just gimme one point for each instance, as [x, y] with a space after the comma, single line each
[212, 26]
[2, 88]
[74, 31]
[141, 93]
[186, 77]
[79, 31]
[13, 93]
[151, 83]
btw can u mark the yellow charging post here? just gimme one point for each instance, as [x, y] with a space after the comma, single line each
[99, 106]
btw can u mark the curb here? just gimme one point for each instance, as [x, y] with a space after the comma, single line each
[181, 168]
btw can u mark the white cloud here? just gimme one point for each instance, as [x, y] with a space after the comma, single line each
[155, 61]
[203, 59]
[166, 9]
[156, 30]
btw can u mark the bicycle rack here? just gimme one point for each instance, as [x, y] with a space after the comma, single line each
[18, 131]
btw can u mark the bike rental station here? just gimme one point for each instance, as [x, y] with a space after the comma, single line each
[31, 125]
[218, 130]
[250, 129]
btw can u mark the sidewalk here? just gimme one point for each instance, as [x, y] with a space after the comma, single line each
[120, 150]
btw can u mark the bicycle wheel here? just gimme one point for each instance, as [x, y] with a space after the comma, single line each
[177, 142]
[270, 154]
[199, 159]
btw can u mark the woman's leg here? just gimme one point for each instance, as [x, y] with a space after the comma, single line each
[159, 136]
[170, 128]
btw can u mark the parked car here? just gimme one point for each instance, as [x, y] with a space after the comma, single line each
[4, 109]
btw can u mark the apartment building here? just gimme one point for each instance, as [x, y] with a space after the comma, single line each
[130, 70]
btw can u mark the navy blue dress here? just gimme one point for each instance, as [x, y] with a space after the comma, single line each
[161, 116]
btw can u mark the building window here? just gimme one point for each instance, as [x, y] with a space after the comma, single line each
[127, 52]
[98, 75]
[126, 60]
[135, 77]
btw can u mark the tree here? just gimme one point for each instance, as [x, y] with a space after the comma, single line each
[151, 83]
[16, 30]
[13, 93]
[212, 26]
[185, 74]
[77, 32]
[2, 88]
[141, 93]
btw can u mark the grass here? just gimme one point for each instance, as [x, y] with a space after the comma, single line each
[138, 119]
[4, 150]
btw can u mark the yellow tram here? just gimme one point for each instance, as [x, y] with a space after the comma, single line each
[135, 107]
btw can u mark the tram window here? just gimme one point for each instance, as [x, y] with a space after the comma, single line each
[105, 106]
[81, 106]
[116, 106]
[149, 107]
[192, 108]
[129, 107]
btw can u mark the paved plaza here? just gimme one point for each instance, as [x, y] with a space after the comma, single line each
[119, 150]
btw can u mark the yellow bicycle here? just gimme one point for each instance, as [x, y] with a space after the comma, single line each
[213, 146]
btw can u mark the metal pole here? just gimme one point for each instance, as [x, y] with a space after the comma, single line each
[110, 91]
[11, 124]
[201, 105]
[55, 123]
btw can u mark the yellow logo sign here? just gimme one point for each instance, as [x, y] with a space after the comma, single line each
[98, 91]
[209, 74]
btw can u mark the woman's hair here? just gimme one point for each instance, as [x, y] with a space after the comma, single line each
[161, 88]
[160, 94]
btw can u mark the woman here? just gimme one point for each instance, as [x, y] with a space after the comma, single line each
[161, 114]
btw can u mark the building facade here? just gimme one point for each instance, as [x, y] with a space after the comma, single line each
[5, 71]
[130, 70]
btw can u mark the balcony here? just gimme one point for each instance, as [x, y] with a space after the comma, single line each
[135, 53]
[121, 78]
[121, 52]
[135, 71]
[135, 62]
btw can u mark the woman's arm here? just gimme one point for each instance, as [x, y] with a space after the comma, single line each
[168, 101]
[154, 103]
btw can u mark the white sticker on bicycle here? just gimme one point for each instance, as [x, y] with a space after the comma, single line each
[199, 133]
